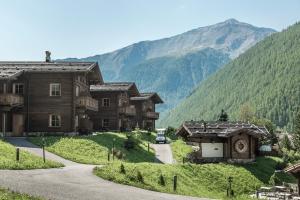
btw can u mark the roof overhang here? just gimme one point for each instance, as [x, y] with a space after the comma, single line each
[294, 170]
[94, 74]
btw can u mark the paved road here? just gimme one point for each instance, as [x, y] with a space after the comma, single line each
[75, 181]
[163, 153]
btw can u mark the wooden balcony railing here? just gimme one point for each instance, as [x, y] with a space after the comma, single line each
[129, 110]
[87, 102]
[151, 115]
[9, 99]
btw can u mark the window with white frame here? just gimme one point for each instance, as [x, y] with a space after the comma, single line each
[105, 123]
[18, 88]
[105, 102]
[55, 89]
[54, 120]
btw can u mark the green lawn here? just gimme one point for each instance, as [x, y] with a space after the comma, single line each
[27, 160]
[93, 149]
[206, 180]
[8, 195]
[180, 150]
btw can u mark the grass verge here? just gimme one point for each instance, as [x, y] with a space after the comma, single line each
[27, 160]
[180, 150]
[93, 149]
[205, 180]
[8, 195]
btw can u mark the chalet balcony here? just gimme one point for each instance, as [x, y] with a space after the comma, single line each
[11, 100]
[129, 111]
[87, 103]
[151, 115]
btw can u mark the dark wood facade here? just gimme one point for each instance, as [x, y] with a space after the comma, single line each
[223, 141]
[146, 113]
[127, 107]
[27, 105]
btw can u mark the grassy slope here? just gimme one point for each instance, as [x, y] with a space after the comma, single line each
[180, 150]
[8, 195]
[27, 160]
[266, 76]
[206, 180]
[94, 149]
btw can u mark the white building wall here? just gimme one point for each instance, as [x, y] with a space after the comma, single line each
[212, 150]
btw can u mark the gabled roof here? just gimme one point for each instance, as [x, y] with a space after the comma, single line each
[294, 169]
[116, 87]
[149, 95]
[10, 70]
[219, 129]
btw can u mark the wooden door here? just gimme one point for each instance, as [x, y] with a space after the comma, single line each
[18, 125]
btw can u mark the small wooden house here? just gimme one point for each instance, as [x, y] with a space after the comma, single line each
[222, 141]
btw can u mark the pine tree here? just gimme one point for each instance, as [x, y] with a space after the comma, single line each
[223, 116]
[286, 143]
[296, 133]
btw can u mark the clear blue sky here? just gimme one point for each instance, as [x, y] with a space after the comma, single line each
[80, 28]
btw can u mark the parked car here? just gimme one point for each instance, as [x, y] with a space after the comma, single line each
[160, 137]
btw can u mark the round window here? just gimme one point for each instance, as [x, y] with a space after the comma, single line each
[241, 146]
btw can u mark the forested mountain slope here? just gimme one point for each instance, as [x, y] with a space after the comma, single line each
[267, 77]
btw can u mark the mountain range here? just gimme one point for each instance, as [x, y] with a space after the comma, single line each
[266, 77]
[174, 66]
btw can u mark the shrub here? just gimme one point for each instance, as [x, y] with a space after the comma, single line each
[162, 180]
[274, 180]
[118, 153]
[129, 143]
[170, 133]
[290, 156]
[140, 177]
[122, 169]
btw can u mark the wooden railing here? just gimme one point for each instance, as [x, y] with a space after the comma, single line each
[129, 110]
[151, 115]
[9, 99]
[87, 102]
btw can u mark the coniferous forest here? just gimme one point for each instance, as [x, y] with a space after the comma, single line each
[267, 77]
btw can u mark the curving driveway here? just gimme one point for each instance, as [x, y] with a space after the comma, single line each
[75, 181]
[163, 153]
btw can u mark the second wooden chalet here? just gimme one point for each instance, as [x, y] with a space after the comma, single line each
[116, 113]
[222, 141]
[146, 112]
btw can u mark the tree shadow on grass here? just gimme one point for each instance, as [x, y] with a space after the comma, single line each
[264, 168]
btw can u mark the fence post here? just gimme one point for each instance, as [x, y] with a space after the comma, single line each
[229, 190]
[175, 183]
[148, 147]
[44, 156]
[18, 154]
[108, 155]
[43, 147]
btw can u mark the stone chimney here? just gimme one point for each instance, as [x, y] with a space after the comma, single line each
[48, 56]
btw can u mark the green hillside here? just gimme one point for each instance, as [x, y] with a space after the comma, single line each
[267, 77]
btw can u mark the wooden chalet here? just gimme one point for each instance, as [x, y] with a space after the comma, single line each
[295, 171]
[46, 97]
[115, 109]
[222, 141]
[145, 107]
